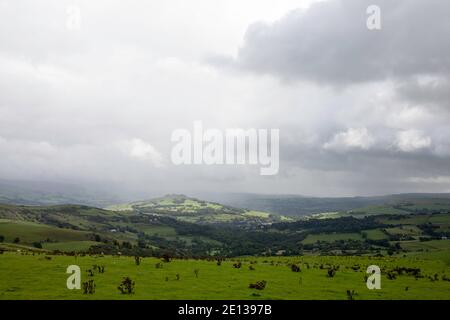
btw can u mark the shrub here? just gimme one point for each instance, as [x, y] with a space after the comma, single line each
[99, 269]
[409, 271]
[137, 260]
[126, 286]
[351, 294]
[37, 245]
[16, 240]
[295, 268]
[356, 267]
[196, 272]
[258, 285]
[237, 265]
[88, 287]
[332, 271]
[391, 275]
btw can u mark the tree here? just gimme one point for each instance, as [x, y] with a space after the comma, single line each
[37, 245]
[127, 245]
[2, 238]
[142, 244]
[166, 257]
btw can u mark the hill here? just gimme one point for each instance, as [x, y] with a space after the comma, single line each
[53, 193]
[131, 232]
[197, 211]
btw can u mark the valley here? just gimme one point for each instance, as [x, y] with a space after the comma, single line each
[194, 234]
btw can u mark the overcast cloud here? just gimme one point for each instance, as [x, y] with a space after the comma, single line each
[360, 112]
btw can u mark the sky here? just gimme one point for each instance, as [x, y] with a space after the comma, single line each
[93, 98]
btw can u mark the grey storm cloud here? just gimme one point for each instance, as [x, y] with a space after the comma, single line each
[359, 111]
[330, 42]
[434, 92]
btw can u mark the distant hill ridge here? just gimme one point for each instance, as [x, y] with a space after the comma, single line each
[190, 209]
[298, 205]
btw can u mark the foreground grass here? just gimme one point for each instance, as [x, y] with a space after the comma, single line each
[27, 276]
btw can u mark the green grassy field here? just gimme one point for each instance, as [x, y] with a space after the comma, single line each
[375, 234]
[404, 230]
[29, 232]
[435, 249]
[377, 210]
[38, 277]
[69, 245]
[427, 245]
[330, 237]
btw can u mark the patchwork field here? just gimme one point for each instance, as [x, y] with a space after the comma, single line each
[194, 210]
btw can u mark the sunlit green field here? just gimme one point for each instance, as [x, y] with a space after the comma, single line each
[27, 276]
[30, 231]
[375, 234]
[330, 237]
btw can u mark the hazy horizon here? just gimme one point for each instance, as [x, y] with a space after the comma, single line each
[118, 195]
